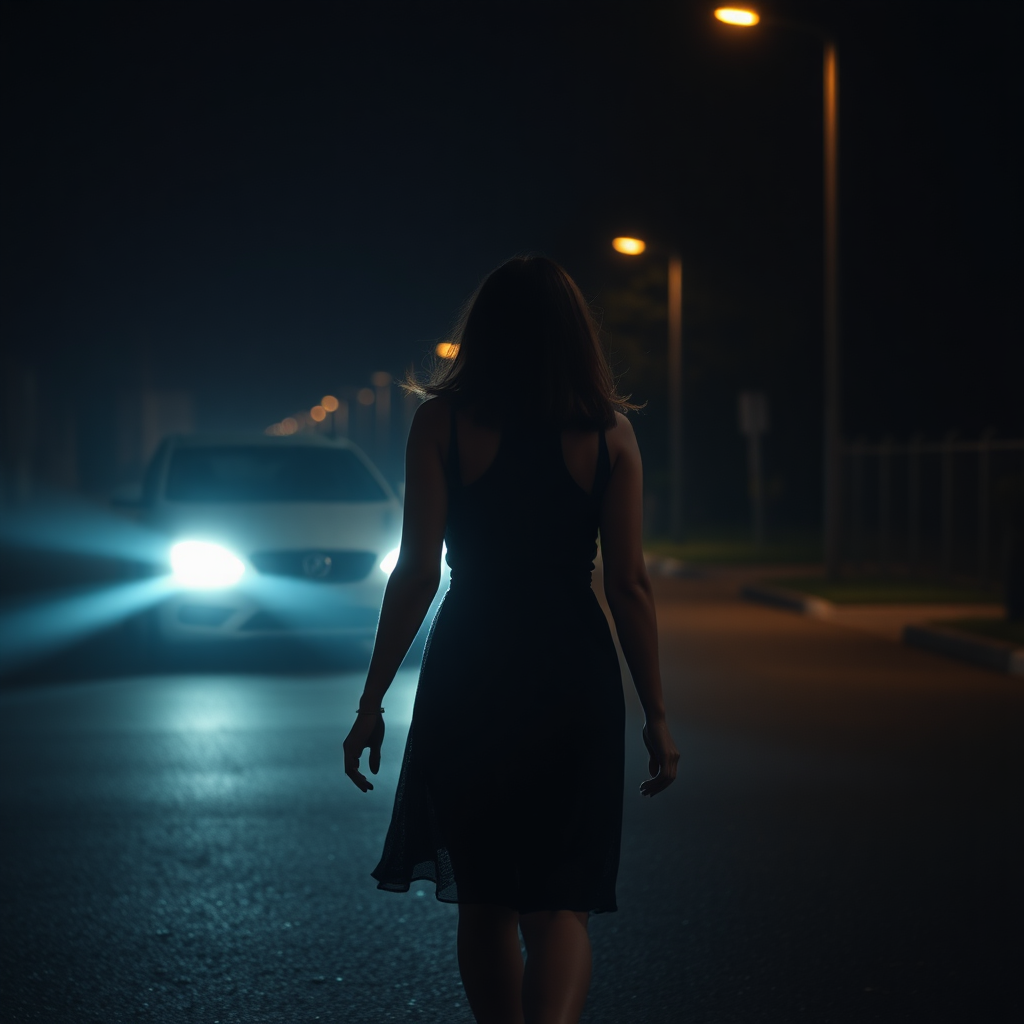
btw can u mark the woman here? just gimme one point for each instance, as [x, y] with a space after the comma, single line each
[510, 796]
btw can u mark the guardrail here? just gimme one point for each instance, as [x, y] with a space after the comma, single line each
[954, 505]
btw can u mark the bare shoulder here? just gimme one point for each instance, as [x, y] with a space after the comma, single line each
[432, 420]
[621, 439]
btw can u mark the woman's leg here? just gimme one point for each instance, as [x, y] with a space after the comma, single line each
[557, 973]
[491, 963]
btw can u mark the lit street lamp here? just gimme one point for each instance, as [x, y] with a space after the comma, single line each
[746, 17]
[634, 247]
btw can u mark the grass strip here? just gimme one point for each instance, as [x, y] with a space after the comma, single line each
[886, 591]
[738, 552]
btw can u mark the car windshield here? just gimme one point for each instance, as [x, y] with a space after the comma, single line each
[270, 474]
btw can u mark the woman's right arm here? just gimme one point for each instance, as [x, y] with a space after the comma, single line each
[412, 585]
[415, 578]
[627, 587]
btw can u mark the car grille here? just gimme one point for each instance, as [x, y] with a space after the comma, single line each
[341, 618]
[316, 565]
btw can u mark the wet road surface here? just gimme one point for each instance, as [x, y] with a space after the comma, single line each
[843, 844]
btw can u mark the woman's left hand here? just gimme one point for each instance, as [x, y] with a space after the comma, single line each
[366, 731]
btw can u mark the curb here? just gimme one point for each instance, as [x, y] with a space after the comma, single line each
[793, 600]
[955, 643]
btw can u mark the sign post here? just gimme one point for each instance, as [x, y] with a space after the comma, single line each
[753, 421]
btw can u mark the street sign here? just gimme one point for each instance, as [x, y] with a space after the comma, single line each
[753, 421]
[753, 412]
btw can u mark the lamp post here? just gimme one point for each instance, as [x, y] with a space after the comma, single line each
[381, 380]
[745, 17]
[634, 247]
[331, 404]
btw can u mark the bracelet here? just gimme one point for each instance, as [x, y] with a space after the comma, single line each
[370, 711]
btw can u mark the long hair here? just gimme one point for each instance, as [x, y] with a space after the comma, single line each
[527, 314]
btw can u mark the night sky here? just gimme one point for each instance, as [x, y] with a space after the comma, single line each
[260, 203]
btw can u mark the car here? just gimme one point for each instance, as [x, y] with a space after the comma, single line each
[269, 537]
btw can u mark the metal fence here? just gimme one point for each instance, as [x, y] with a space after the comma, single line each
[949, 506]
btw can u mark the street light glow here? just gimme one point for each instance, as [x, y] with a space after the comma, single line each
[330, 403]
[629, 246]
[319, 413]
[737, 16]
[447, 350]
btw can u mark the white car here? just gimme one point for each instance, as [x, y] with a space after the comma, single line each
[270, 536]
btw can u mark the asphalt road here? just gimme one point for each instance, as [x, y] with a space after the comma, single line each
[843, 843]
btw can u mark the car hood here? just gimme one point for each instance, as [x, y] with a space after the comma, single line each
[284, 526]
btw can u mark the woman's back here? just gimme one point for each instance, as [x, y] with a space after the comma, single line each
[479, 444]
[518, 516]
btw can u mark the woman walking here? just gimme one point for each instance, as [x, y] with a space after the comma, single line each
[510, 795]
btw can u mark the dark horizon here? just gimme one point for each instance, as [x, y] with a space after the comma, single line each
[260, 206]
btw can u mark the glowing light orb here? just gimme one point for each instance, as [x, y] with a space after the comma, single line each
[629, 246]
[737, 16]
[447, 350]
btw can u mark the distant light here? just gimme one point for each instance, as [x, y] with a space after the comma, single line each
[365, 396]
[288, 425]
[381, 379]
[273, 430]
[199, 564]
[447, 350]
[389, 561]
[329, 402]
[629, 246]
[738, 16]
[319, 413]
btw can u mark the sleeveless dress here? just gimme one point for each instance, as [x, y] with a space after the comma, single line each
[511, 786]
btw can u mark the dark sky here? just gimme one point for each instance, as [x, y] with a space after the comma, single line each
[261, 202]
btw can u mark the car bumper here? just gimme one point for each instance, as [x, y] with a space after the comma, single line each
[292, 608]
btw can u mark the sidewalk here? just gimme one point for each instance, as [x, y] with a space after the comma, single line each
[919, 625]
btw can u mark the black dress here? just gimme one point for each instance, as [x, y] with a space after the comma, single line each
[511, 787]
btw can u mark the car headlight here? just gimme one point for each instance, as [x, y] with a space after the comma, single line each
[197, 563]
[389, 561]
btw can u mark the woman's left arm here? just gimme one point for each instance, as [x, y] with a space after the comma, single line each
[412, 585]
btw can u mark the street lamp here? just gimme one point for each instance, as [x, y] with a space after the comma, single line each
[634, 247]
[742, 16]
[746, 17]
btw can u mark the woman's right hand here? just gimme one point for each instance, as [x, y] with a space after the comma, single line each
[663, 757]
[366, 731]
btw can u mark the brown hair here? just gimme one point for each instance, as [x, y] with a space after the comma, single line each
[530, 311]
